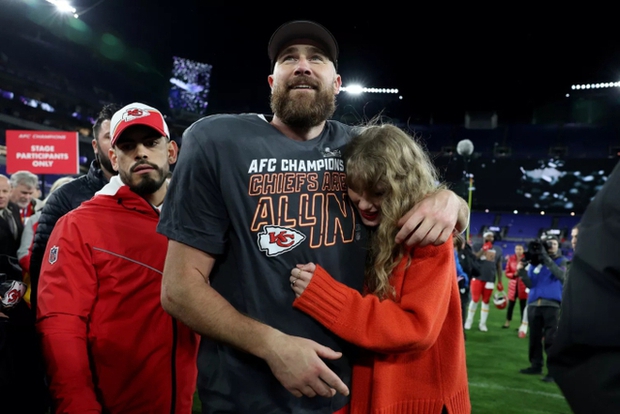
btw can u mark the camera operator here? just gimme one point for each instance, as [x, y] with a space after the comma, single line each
[543, 271]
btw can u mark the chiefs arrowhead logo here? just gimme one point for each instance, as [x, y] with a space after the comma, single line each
[275, 240]
[133, 113]
[14, 294]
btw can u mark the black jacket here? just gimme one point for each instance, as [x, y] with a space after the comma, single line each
[10, 244]
[585, 355]
[469, 262]
[59, 203]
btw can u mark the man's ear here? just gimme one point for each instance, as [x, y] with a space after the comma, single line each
[113, 158]
[173, 152]
[337, 84]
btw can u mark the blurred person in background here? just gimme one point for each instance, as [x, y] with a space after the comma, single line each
[11, 227]
[462, 277]
[72, 194]
[585, 356]
[408, 319]
[27, 239]
[543, 274]
[482, 287]
[516, 288]
[22, 387]
[109, 346]
[24, 184]
[574, 233]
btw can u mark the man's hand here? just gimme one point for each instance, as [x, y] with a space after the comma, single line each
[2, 315]
[433, 220]
[296, 362]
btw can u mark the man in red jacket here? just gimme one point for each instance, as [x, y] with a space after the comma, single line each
[108, 344]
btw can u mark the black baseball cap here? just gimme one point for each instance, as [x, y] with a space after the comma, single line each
[302, 29]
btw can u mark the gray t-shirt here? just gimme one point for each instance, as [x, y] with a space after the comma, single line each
[499, 253]
[262, 203]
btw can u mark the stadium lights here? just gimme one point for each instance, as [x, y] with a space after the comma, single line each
[596, 85]
[359, 89]
[63, 6]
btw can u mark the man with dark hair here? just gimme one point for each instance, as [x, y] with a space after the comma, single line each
[573, 236]
[72, 194]
[69, 197]
[109, 346]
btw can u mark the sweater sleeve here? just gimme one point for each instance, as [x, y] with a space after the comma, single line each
[67, 292]
[386, 326]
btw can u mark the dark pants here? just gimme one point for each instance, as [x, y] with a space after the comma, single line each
[543, 324]
[511, 307]
[465, 298]
[22, 385]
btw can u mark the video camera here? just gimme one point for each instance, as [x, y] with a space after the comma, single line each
[535, 249]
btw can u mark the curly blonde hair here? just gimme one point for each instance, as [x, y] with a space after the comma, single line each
[384, 161]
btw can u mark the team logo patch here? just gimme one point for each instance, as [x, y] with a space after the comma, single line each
[53, 255]
[328, 152]
[275, 240]
[15, 292]
[134, 113]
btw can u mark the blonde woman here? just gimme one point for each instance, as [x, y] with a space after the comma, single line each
[408, 319]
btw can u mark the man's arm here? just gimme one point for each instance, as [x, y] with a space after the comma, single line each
[56, 206]
[67, 291]
[499, 272]
[187, 295]
[434, 219]
[558, 271]
[525, 277]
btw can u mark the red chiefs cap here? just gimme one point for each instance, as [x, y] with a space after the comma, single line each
[137, 114]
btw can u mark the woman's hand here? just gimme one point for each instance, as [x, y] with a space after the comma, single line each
[301, 276]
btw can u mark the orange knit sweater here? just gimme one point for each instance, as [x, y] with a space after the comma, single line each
[414, 358]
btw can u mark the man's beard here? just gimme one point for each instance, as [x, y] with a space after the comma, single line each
[303, 112]
[104, 160]
[145, 185]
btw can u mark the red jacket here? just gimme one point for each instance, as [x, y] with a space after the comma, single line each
[415, 361]
[108, 344]
[516, 285]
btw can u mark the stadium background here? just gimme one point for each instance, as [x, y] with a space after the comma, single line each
[534, 168]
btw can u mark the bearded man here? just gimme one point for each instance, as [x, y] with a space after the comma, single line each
[252, 196]
[108, 345]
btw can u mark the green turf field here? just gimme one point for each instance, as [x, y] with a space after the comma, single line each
[494, 359]
[495, 384]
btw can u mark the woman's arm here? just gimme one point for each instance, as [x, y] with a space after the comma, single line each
[411, 324]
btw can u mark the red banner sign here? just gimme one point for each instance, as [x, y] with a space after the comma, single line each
[42, 152]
